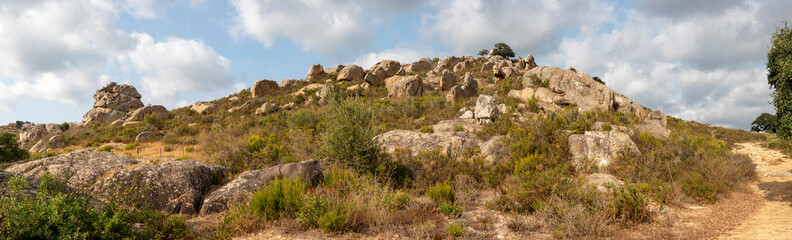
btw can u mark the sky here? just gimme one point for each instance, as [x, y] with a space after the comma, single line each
[695, 60]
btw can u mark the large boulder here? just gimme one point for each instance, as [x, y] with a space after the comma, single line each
[32, 133]
[422, 65]
[443, 81]
[288, 83]
[57, 141]
[351, 73]
[267, 107]
[39, 147]
[577, 87]
[600, 146]
[241, 188]
[468, 89]
[486, 109]
[390, 67]
[655, 124]
[376, 76]
[158, 111]
[494, 149]
[447, 143]
[625, 105]
[263, 87]
[404, 86]
[447, 63]
[204, 107]
[111, 102]
[316, 73]
[80, 169]
[602, 182]
[173, 186]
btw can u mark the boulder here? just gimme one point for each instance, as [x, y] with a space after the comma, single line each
[376, 76]
[57, 141]
[468, 125]
[173, 186]
[32, 133]
[468, 89]
[577, 87]
[447, 143]
[625, 105]
[241, 188]
[655, 124]
[266, 108]
[494, 149]
[158, 111]
[204, 107]
[334, 70]
[111, 102]
[144, 136]
[30, 190]
[443, 81]
[487, 67]
[602, 182]
[288, 83]
[351, 73]
[486, 109]
[310, 87]
[530, 63]
[404, 86]
[233, 99]
[316, 73]
[390, 67]
[447, 63]
[467, 115]
[600, 146]
[80, 169]
[39, 147]
[422, 65]
[263, 87]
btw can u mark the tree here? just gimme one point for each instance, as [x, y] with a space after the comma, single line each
[349, 137]
[764, 123]
[503, 50]
[779, 77]
[599, 80]
[483, 52]
[9, 150]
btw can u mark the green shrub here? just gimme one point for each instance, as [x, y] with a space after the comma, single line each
[265, 148]
[456, 229]
[427, 129]
[397, 200]
[278, 199]
[629, 204]
[9, 149]
[106, 148]
[131, 146]
[64, 126]
[327, 213]
[458, 128]
[304, 118]
[450, 209]
[349, 138]
[441, 193]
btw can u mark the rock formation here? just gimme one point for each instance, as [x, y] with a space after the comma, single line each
[111, 102]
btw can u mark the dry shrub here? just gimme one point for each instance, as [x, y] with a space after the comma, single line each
[567, 218]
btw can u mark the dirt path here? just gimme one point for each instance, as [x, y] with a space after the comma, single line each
[773, 220]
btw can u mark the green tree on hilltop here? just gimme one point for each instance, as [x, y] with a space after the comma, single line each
[779, 77]
[503, 50]
[9, 150]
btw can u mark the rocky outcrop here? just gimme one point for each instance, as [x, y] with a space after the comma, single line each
[422, 65]
[404, 86]
[376, 76]
[655, 124]
[30, 189]
[443, 81]
[80, 169]
[486, 109]
[602, 182]
[111, 102]
[288, 83]
[571, 87]
[351, 73]
[57, 141]
[390, 67]
[174, 186]
[316, 73]
[204, 107]
[158, 111]
[447, 143]
[32, 133]
[263, 87]
[601, 147]
[266, 108]
[447, 63]
[144, 136]
[468, 89]
[240, 189]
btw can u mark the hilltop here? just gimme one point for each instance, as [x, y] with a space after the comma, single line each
[471, 147]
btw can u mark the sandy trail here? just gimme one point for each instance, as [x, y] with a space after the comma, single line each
[773, 220]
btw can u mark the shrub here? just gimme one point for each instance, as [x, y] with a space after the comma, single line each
[278, 199]
[458, 128]
[629, 204]
[106, 148]
[304, 118]
[450, 209]
[441, 193]
[397, 201]
[327, 213]
[131, 146]
[427, 129]
[64, 126]
[456, 229]
[265, 148]
[9, 149]
[349, 138]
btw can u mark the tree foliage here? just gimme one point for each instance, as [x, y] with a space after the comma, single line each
[349, 137]
[764, 123]
[9, 150]
[483, 52]
[779, 77]
[503, 50]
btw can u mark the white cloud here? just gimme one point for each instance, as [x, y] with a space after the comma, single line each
[142, 9]
[402, 55]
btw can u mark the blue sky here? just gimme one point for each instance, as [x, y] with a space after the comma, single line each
[701, 61]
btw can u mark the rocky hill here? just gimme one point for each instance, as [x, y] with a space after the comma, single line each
[472, 147]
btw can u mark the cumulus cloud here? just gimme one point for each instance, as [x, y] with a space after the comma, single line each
[62, 50]
[529, 27]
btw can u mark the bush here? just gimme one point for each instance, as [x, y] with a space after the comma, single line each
[278, 199]
[441, 193]
[131, 146]
[327, 213]
[456, 229]
[629, 204]
[349, 138]
[458, 128]
[64, 126]
[106, 148]
[427, 129]
[304, 118]
[9, 149]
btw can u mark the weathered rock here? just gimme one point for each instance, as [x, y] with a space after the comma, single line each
[625, 105]
[404, 86]
[316, 73]
[600, 146]
[351, 73]
[80, 169]
[32, 133]
[655, 124]
[530, 63]
[144, 136]
[486, 109]
[334, 70]
[545, 95]
[57, 141]
[288, 83]
[241, 188]
[266, 108]
[310, 87]
[40, 146]
[578, 88]
[233, 99]
[173, 186]
[204, 107]
[240, 107]
[468, 125]
[111, 102]
[263, 87]
[159, 112]
[376, 76]
[469, 88]
[31, 189]
[447, 63]
[494, 149]
[422, 65]
[487, 66]
[467, 115]
[602, 182]
[443, 81]
[447, 143]
[390, 67]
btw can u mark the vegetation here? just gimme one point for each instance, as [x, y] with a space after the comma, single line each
[349, 138]
[503, 50]
[765, 122]
[779, 77]
[9, 149]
